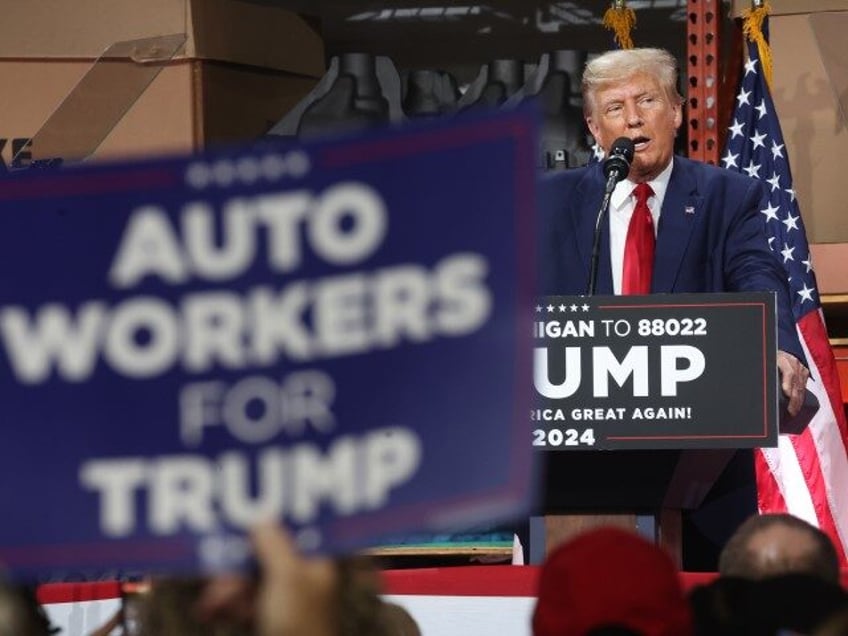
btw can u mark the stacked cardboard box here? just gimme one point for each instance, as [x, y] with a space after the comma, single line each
[238, 69]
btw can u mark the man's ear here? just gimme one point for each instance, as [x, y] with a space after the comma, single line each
[678, 115]
[594, 129]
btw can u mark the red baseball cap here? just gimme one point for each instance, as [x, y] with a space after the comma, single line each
[610, 577]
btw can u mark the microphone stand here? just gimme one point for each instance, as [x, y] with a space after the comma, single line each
[612, 179]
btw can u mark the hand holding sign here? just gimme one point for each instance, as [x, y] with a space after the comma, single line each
[294, 595]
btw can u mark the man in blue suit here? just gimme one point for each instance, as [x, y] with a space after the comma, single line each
[703, 224]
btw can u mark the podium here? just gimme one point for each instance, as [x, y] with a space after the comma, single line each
[641, 404]
[645, 491]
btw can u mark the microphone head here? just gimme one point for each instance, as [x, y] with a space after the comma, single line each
[619, 158]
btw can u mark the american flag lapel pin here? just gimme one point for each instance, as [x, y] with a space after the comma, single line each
[689, 209]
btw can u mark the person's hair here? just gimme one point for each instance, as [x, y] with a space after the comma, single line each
[167, 609]
[622, 64]
[797, 603]
[835, 625]
[738, 558]
[723, 606]
[396, 621]
[21, 614]
[358, 601]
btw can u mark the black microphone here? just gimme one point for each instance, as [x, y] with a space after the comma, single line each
[616, 167]
[617, 163]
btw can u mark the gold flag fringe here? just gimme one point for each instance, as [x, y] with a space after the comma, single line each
[621, 20]
[752, 27]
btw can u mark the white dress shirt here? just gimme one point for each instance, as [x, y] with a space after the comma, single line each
[622, 204]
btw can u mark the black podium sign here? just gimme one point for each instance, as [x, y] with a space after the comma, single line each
[660, 371]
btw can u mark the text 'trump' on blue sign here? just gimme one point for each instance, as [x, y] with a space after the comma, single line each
[332, 335]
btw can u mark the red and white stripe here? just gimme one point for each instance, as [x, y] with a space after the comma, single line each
[807, 474]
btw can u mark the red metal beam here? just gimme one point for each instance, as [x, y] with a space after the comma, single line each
[702, 70]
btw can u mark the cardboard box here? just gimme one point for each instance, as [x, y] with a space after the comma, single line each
[829, 260]
[240, 68]
[807, 42]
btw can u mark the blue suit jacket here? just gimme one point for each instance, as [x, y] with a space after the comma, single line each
[711, 238]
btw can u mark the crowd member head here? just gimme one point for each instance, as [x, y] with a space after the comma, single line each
[785, 604]
[723, 607]
[396, 621]
[835, 625]
[168, 609]
[633, 93]
[610, 581]
[296, 595]
[21, 615]
[770, 545]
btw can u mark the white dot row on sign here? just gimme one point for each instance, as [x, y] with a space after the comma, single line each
[246, 170]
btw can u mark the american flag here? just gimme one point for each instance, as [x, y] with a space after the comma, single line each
[807, 474]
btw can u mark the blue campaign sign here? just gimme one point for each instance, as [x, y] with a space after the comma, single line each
[332, 335]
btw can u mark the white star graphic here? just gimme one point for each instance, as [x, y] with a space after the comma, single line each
[791, 222]
[786, 253]
[808, 263]
[770, 212]
[538, 309]
[751, 66]
[806, 293]
[774, 181]
[562, 308]
[743, 96]
[791, 193]
[729, 161]
[736, 129]
[574, 308]
[752, 169]
[776, 150]
[761, 109]
[550, 308]
[757, 140]
[585, 307]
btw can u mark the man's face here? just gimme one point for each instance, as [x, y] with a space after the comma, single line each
[637, 108]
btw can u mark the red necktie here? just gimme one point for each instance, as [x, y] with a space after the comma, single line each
[639, 247]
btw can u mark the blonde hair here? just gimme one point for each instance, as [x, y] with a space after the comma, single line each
[622, 64]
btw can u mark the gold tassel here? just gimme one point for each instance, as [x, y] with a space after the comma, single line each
[752, 27]
[621, 20]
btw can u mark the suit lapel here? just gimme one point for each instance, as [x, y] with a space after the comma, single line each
[681, 206]
[591, 191]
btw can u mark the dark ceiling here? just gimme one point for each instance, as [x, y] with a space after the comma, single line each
[423, 33]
